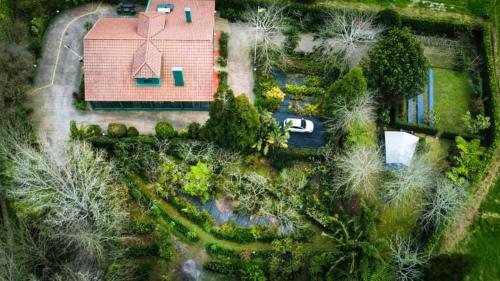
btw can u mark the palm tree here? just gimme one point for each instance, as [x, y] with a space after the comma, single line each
[272, 135]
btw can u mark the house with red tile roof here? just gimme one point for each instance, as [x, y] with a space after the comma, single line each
[162, 59]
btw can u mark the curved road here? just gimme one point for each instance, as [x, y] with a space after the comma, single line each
[59, 75]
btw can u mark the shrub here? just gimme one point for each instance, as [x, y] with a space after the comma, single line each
[143, 249]
[84, 132]
[132, 132]
[192, 235]
[197, 181]
[452, 267]
[142, 226]
[273, 99]
[80, 105]
[224, 48]
[222, 61]
[347, 88]
[117, 130]
[194, 131]
[88, 25]
[226, 267]
[298, 92]
[389, 18]
[164, 130]
[312, 81]
[183, 133]
[292, 39]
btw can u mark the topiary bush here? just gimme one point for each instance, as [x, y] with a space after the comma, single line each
[194, 131]
[132, 132]
[117, 130]
[164, 130]
[389, 18]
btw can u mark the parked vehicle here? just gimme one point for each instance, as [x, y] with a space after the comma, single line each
[298, 125]
[126, 8]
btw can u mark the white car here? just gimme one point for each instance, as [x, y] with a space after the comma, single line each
[299, 125]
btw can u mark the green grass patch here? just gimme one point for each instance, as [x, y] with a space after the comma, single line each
[484, 243]
[452, 97]
[470, 7]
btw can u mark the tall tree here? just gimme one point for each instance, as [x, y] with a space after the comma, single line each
[268, 24]
[346, 37]
[397, 66]
[16, 64]
[234, 121]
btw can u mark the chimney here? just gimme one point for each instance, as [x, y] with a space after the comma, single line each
[187, 10]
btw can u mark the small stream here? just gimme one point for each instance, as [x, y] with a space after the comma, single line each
[223, 214]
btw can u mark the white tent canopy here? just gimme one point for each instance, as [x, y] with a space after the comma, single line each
[399, 148]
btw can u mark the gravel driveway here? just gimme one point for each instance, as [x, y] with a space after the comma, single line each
[52, 99]
[241, 47]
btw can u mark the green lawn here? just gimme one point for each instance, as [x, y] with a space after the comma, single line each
[470, 7]
[451, 99]
[484, 241]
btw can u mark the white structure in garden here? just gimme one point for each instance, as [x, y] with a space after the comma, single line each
[399, 148]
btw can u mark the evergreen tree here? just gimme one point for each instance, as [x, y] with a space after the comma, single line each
[234, 121]
[397, 66]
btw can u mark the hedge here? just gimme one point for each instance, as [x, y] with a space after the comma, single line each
[226, 267]
[430, 131]
[220, 251]
[285, 158]
[179, 227]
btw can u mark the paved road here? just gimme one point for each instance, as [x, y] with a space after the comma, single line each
[52, 99]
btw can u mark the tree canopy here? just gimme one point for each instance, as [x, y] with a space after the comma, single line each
[17, 71]
[397, 66]
[234, 121]
[348, 87]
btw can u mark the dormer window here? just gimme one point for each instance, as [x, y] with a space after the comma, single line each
[148, 82]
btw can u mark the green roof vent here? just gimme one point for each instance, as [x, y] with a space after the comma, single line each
[178, 76]
[187, 10]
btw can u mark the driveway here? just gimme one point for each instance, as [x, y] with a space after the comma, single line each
[314, 140]
[59, 75]
[241, 48]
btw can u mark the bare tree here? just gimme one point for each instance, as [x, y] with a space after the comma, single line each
[360, 169]
[268, 24]
[252, 190]
[284, 216]
[75, 192]
[346, 38]
[347, 113]
[410, 181]
[442, 202]
[408, 259]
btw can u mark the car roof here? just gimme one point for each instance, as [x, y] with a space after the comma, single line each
[295, 122]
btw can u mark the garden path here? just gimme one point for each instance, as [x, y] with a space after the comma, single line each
[59, 75]
[319, 243]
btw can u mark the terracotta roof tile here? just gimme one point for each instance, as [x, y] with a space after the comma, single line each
[108, 65]
[151, 23]
[115, 53]
[147, 62]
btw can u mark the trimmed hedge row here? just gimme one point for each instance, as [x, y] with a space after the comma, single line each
[232, 266]
[285, 158]
[431, 131]
[219, 251]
